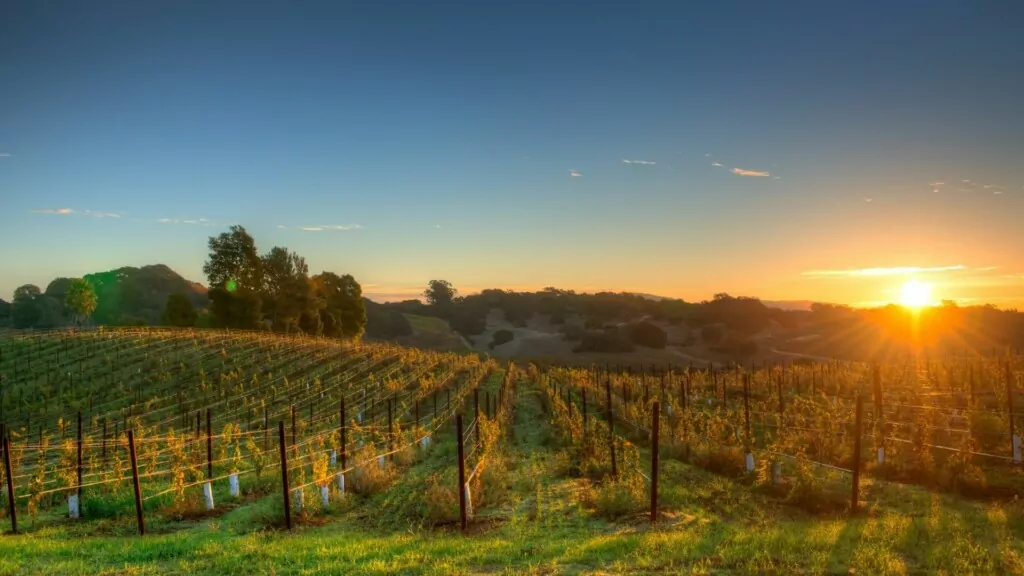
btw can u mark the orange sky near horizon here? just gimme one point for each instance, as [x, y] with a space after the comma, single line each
[859, 287]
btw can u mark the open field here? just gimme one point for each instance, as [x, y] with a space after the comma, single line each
[433, 333]
[541, 494]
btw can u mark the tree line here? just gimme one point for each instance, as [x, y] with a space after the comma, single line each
[274, 290]
[247, 290]
[33, 308]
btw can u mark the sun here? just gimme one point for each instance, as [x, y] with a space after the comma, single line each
[916, 294]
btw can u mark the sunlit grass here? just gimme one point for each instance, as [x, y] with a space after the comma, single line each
[427, 324]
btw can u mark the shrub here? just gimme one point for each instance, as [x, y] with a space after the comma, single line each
[964, 478]
[620, 496]
[501, 337]
[179, 311]
[442, 500]
[724, 460]
[616, 498]
[371, 479]
[467, 323]
[405, 457]
[988, 430]
[815, 494]
[604, 341]
[493, 483]
[647, 334]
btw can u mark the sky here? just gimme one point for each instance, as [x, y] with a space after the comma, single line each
[798, 150]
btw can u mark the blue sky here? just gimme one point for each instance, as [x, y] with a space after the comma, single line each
[439, 140]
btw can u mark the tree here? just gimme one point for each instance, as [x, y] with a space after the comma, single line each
[26, 291]
[81, 299]
[235, 309]
[648, 334]
[343, 312]
[501, 337]
[51, 312]
[235, 275]
[179, 311]
[5, 312]
[58, 288]
[312, 323]
[234, 263]
[25, 310]
[440, 293]
[287, 291]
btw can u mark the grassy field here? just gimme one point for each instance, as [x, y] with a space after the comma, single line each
[427, 324]
[531, 513]
[433, 333]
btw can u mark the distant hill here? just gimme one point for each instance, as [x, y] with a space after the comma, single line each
[128, 295]
[652, 297]
[800, 305]
[797, 305]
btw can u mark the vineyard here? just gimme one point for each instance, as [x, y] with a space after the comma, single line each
[146, 445]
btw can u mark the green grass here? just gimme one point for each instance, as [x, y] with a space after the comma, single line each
[938, 537]
[428, 325]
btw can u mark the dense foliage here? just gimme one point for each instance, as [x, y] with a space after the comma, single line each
[80, 299]
[501, 337]
[647, 334]
[275, 290]
[179, 311]
[247, 291]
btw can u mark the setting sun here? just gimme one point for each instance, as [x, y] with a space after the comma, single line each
[916, 294]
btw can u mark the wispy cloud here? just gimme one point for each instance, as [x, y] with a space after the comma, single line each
[280, 227]
[638, 161]
[322, 227]
[869, 200]
[61, 211]
[717, 164]
[742, 172]
[776, 177]
[94, 214]
[5, 154]
[575, 174]
[86, 213]
[438, 226]
[189, 221]
[937, 184]
[892, 271]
